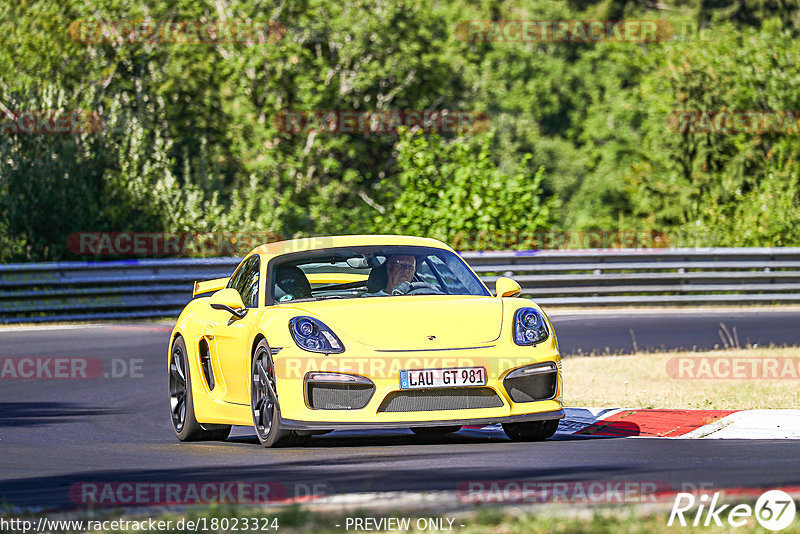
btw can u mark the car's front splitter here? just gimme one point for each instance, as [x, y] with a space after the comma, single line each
[292, 424]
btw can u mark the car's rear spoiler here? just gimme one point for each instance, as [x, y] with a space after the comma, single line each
[207, 286]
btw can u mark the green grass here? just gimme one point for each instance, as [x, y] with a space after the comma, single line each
[643, 381]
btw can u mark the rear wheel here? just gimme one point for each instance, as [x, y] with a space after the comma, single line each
[533, 431]
[430, 431]
[264, 403]
[184, 422]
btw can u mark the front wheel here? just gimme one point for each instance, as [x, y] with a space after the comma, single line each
[533, 431]
[181, 405]
[264, 403]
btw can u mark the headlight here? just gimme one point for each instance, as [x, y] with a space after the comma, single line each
[530, 327]
[313, 335]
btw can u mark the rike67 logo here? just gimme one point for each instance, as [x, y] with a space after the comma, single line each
[774, 510]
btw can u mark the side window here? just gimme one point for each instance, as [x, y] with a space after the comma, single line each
[451, 279]
[425, 274]
[238, 275]
[245, 281]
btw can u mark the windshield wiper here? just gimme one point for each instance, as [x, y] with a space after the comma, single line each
[309, 299]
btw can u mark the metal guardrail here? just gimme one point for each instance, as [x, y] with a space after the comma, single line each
[626, 277]
[79, 291]
[39, 292]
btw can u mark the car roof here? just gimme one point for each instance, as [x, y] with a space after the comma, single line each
[315, 243]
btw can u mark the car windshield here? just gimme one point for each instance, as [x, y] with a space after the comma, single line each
[376, 271]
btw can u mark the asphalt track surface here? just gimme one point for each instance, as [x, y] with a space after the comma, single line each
[56, 433]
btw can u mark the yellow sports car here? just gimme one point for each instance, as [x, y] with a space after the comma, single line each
[360, 332]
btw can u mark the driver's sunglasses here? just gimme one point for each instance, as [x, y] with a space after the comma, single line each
[401, 265]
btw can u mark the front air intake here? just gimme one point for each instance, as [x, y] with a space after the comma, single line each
[534, 383]
[331, 396]
[423, 400]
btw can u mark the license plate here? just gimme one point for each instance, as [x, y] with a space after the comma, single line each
[442, 378]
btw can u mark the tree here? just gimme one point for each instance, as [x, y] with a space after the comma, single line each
[455, 191]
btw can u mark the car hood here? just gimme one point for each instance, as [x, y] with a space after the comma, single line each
[406, 323]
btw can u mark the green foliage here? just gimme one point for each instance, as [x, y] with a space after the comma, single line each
[454, 190]
[734, 189]
[191, 142]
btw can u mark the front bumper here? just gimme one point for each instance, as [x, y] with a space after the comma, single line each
[291, 424]
[382, 368]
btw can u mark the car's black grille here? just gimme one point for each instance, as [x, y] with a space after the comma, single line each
[531, 388]
[325, 396]
[421, 400]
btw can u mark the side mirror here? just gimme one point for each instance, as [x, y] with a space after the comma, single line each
[506, 287]
[229, 300]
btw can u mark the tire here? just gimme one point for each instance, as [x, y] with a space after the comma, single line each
[264, 403]
[431, 431]
[533, 431]
[184, 421]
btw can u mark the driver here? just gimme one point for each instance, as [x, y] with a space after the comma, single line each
[400, 270]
